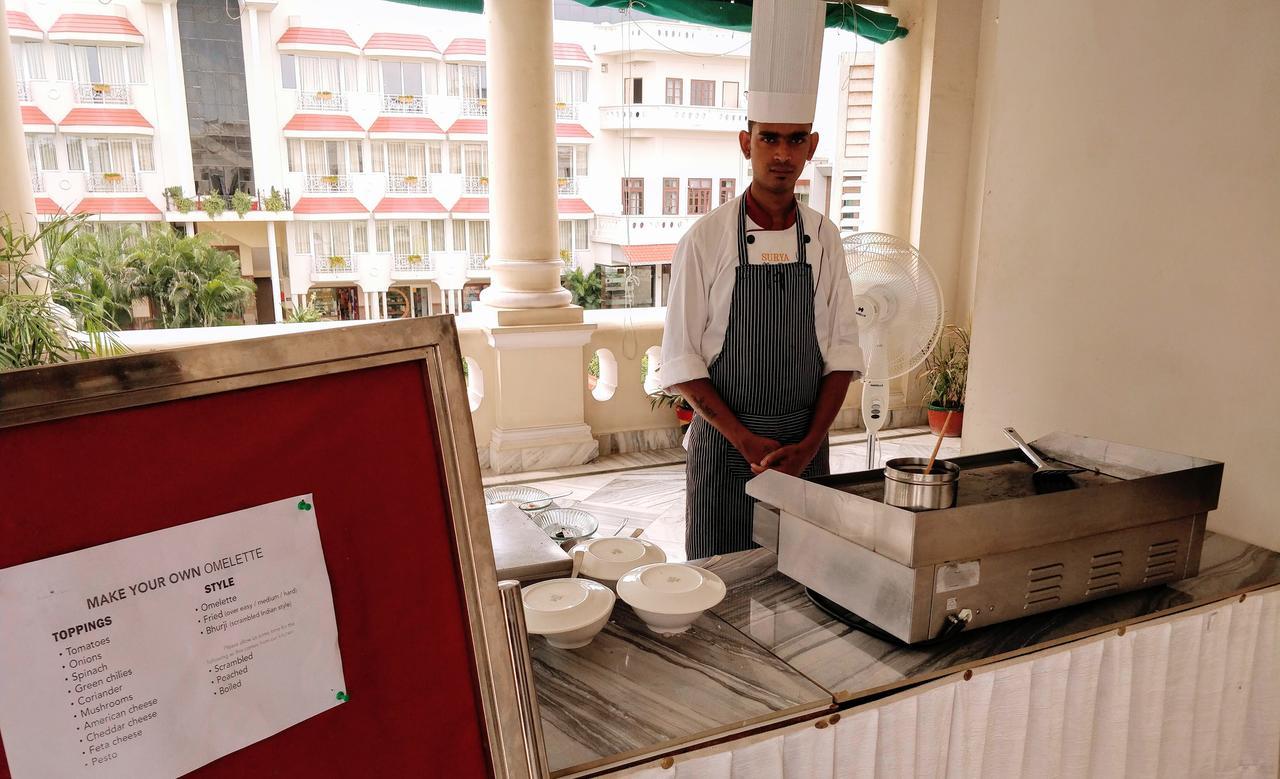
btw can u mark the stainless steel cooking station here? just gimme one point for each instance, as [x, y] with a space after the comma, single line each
[1135, 519]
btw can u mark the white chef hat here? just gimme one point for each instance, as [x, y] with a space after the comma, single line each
[786, 53]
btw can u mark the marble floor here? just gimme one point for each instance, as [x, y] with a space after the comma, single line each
[646, 489]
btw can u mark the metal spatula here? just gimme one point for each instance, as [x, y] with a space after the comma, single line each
[1047, 478]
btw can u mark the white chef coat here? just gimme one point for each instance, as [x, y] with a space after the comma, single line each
[702, 280]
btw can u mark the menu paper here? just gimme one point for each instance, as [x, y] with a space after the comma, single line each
[157, 654]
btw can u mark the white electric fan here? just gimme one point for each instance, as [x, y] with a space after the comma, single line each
[899, 307]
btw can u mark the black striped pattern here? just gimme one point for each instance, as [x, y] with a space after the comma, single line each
[768, 373]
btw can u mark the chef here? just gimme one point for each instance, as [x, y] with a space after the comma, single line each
[760, 334]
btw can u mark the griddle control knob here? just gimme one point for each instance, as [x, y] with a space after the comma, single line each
[954, 623]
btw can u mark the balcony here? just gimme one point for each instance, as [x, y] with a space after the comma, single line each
[103, 94]
[332, 265]
[567, 112]
[412, 264]
[24, 92]
[321, 101]
[623, 230]
[567, 186]
[475, 107]
[475, 185]
[37, 181]
[673, 117]
[112, 182]
[322, 183]
[404, 104]
[408, 184]
[477, 261]
[661, 37]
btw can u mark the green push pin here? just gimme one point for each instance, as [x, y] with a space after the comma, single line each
[303, 505]
[342, 696]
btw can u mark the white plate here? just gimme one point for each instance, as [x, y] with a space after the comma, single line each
[608, 558]
[671, 588]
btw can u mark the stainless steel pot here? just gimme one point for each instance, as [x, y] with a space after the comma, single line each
[907, 486]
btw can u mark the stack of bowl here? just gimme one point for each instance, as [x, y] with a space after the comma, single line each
[670, 597]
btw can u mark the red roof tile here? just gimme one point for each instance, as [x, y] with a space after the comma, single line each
[471, 205]
[569, 51]
[399, 41]
[105, 117]
[658, 252]
[93, 24]
[117, 205]
[321, 36]
[46, 207]
[470, 126]
[409, 205]
[329, 205]
[573, 205]
[32, 115]
[465, 46]
[567, 130]
[320, 123]
[19, 21]
[405, 124]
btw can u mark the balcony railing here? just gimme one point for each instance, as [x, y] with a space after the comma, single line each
[333, 265]
[641, 229]
[274, 201]
[673, 117]
[413, 263]
[24, 92]
[567, 186]
[328, 182]
[566, 112]
[404, 104]
[37, 181]
[103, 94]
[475, 185]
[322, 100]
[408, 183]
[112, 182]
[476, 261]
[475, 107]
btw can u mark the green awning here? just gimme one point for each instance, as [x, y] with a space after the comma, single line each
[731, 15]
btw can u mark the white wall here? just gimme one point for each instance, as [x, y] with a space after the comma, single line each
[1127, 281]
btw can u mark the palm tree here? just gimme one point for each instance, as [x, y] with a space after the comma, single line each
[192, 283]
[101, 267]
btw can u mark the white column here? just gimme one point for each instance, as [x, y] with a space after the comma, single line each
[657, 285]
[16, 198]
[413, 306]
[525, 260]
[384, 311]
[274, 259]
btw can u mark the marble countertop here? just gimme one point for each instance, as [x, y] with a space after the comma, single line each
[766, 654]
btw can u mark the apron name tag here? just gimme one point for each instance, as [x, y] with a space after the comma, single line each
[775, 258]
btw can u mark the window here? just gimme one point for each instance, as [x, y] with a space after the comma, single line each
[295, 155]
[670, 197]
[402, 78]
[699, 196]
[675, 91]
[573, 235]
[633, 91]
[471, 236]
[146, 160]
[571, 161]
[332, 239]
[324, 158]
[288, 72]
[29, 59]
[633, 197]
[571, 86]
[802, 193]
[110, 155]
[75, 154]
[467, 80]
[406, 158]
[116, 65]
[417, 237]
[473, 159]
[730, 94]
[728, 188]
[42, 154]
[702, 92]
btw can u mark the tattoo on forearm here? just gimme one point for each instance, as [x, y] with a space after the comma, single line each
[700, 405]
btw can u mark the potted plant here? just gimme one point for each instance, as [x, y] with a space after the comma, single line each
[484, 181]
[331, 181]
[324, 94]
[214, 205]
[684, 412]
[112, 176]
[241, 203]
[414, 259]
[561, 104]
[410, 180]
[101, 89]
[274, 201]
[405, 98]
[946, 373]
[337, 262]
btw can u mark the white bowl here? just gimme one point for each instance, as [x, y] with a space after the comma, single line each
[670, 597]
[608, 558]
[569, 612]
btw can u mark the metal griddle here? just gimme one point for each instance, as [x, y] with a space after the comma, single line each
[1135, 520]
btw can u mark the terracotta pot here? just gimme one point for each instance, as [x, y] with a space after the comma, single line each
[685, 415]
[938, 415]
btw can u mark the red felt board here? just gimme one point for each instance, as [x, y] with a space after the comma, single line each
[364, 442]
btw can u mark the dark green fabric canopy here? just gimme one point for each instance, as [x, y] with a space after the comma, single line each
[731, 15]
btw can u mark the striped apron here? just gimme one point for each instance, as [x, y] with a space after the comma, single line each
[768, 373]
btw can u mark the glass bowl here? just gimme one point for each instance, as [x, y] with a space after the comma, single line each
[514, 494]
[566, 524]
